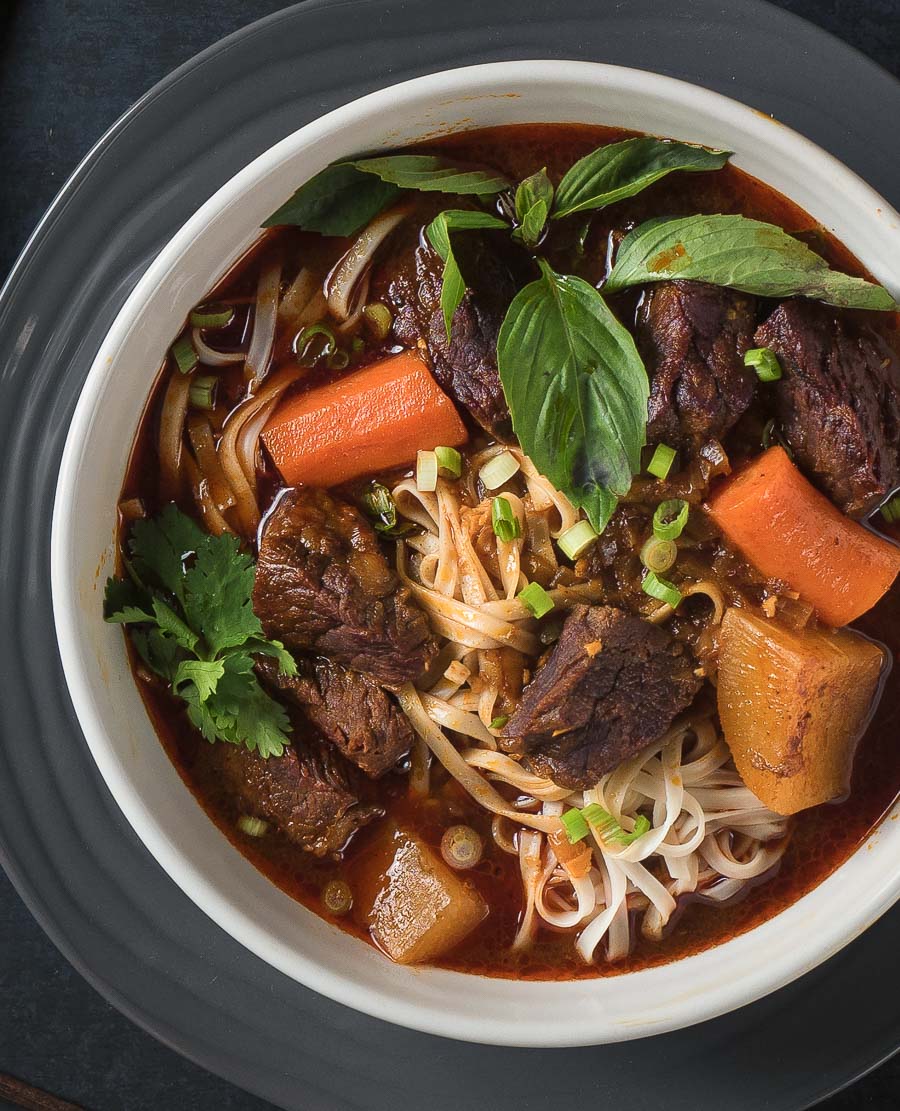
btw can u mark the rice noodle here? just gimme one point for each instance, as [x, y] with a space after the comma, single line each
[343, 279]
[171, 433]
[708, 834]
[212, 518]
[209, 356]
[202, 441]
[233, 462]
[265, 316]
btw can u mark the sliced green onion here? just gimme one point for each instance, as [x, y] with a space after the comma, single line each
[185, 354]
[253, 827]
[449, 461]
[339, 360]
[661, 463]
[536, 599]
[203, 392]
[337, 896]
[499, 722]
[609, 829]
[498, 470]
[309, 352]
[212, 316]
[670, 518]
[380, 505]
[575, 826]
[891, 510]
[462, 847]
[505, 522]
[659, 555]
[379, 319]
[765, 362]
[357, 344]
[577, 539]
[426, 471]
[661, 589]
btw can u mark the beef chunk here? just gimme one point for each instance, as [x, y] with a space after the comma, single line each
[692, 337]
[322, 583]
[611, 686]
[838, 402]
[351, 710]
[466, 364]
[307, 793]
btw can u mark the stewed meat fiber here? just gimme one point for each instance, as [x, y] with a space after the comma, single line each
[350, 710]
[692, 337]
[323, 584]
[838, 402]
[611, 686]
[465, 365]
[307, 793]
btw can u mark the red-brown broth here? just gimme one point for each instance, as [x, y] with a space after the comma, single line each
[821, 838]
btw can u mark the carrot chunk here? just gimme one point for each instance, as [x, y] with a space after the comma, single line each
[790, 531]
[372, 420]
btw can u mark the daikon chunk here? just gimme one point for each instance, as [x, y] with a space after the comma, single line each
[793, 704]
[420, 908]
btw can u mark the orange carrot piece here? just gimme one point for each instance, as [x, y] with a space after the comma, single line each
[790, 531]
[372, 420]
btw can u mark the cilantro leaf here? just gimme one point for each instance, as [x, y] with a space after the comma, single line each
[160, 546]
[258, 646]
[240, 711]
[218, 592]
[125, 603]
[188, 600]
[159, 652]
[171, 624]
[204, 674]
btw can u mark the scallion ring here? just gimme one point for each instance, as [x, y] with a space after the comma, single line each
[765, 362]
[449, 461]
[426, 471]
[662, 589]
[659, 555]
[203, 392]
[576, 540]
[661, 462]
[670, 518]
[536, 599]
[505, 523]
[184, 353]
[212, 316]
[309, 348]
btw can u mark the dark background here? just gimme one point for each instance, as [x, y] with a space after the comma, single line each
[68, 69]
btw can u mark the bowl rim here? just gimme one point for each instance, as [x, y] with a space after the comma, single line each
[725, 993]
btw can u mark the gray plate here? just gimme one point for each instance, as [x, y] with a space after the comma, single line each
[87, 879]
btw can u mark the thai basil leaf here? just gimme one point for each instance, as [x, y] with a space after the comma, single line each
[534, 197]
[338, 201]
[428, 174]
[576, 388]
[622, 169]
[742, 254]
[453, 286]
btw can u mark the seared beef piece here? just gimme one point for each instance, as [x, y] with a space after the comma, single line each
[306, 793]
[351, 710]
[611, 686]
[466, 364]
[322, 583]
[838, 402]
[692, 337]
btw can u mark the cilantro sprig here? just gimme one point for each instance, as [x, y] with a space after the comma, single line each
[187, 600]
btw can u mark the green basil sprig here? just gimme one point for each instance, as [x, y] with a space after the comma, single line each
[576, 388]
[620, 170]
[740, 253]
[534, 197]
[453, 285]
[345, 196]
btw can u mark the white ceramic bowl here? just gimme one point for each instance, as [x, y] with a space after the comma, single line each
[146, 786]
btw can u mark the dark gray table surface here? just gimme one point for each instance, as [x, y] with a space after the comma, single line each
[68, 69]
